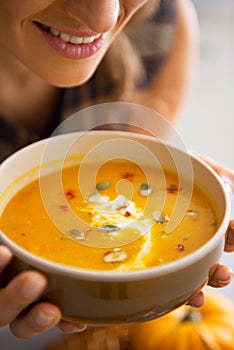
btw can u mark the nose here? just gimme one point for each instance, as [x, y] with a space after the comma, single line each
[98, 15]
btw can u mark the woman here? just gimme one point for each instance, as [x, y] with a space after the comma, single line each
[58, 56]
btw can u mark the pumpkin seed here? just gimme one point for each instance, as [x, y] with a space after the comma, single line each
[115, 256]
[145, 190]
[102, 185]
[214, 223]
[76, 234]
[191, 212]
[158, 217]
[93, 198]
[108, 228]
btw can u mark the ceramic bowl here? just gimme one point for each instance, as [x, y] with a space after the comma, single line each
[99, 297]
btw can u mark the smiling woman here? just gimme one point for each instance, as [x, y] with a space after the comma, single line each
[58, 56]
[69, 19]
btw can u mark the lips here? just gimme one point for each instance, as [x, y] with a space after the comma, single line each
[69, 45]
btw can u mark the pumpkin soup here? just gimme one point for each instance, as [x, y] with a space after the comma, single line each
[117, 222]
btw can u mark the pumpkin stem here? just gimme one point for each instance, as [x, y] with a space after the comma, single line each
[191, 315]
[195, 317]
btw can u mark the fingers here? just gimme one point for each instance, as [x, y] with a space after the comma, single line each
[229, 244]
[20, 293]
[197, 300]
[17, 296]
[220, 276]
[5, 257]
[39, 319]
[69, 328]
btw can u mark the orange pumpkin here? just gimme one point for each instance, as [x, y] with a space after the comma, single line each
[210, 327]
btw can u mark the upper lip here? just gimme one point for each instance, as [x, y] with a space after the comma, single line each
[70, 32]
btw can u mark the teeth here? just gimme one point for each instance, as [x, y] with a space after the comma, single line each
[54, 31]
[87, 40]
[64, 37]
[74, 39]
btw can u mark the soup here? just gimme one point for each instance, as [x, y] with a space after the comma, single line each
[109, 217]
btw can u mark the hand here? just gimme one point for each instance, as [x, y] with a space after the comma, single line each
[15, 299]
[220, 275]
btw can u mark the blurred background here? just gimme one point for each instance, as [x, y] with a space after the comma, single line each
[208, 124]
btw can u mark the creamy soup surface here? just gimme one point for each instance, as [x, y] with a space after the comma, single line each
[123, 213]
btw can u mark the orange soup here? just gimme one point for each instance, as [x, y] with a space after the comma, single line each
[116, 220]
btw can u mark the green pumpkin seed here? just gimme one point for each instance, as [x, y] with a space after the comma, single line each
[76, 234]
[145, 190]
[102, 185]
[108, 228]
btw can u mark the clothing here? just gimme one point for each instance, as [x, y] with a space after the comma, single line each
[150, 37]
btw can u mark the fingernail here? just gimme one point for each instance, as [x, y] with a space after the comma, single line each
[76, 328]
[4, 254]
[81, 327]
[226, 281]
[223, 283]
[33, 287]
[5, 251]
[44, 320]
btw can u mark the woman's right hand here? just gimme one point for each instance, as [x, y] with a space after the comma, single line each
[16, 298]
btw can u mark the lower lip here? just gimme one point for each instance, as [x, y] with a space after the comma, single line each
[73, 51]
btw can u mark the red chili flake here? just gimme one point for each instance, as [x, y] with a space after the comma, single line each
[88, 231]
[70, 194]
[64, 208]
[108, 252]
[180, 247]
[128, 176]
[127, 213]
[172, 188]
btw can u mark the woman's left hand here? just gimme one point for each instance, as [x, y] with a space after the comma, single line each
[220, 275]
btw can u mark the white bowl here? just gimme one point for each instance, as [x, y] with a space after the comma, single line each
[101, 297]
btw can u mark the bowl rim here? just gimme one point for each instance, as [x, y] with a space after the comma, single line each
[48, 266]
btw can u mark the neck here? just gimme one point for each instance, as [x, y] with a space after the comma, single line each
[25, 98]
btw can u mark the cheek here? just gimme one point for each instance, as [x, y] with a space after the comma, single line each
[13, 16]
[23, 8]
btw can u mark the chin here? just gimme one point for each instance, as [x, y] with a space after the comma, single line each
[67, 78]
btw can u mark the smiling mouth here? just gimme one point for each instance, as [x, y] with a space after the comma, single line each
[67, 38]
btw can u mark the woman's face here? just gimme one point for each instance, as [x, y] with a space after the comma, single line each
[62, 41]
